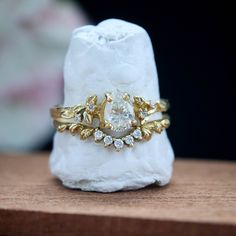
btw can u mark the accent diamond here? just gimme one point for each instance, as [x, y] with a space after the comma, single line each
[108, 140]
[129, 140]
[91, 107]
[143, 114]
[98, 135]
[119, 144]
[137, 134]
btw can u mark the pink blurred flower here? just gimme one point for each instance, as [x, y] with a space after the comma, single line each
[34, 36]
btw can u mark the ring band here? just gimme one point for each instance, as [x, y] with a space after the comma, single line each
[119, 120]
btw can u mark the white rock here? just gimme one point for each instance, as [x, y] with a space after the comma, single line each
[112, 55]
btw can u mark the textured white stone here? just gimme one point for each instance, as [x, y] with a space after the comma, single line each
[112, 55]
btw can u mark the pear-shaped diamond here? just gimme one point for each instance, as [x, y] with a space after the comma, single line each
[119, 112]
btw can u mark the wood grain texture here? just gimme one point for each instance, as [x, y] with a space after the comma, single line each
[201, 200]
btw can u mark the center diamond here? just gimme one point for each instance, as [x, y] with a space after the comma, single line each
[119, 112]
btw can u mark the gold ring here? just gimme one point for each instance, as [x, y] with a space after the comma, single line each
[118, 120]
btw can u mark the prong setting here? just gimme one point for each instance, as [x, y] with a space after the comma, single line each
[126, 97]
[108, 97]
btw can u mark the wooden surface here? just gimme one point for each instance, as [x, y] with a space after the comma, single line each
[201, 200]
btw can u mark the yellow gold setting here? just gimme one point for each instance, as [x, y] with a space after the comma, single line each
[118, 120]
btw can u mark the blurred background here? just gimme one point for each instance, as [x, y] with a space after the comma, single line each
[195, 55]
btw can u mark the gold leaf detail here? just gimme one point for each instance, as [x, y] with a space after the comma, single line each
[85, 133]
[79, 109]
[74, 128]
[147, 133]
[152, 126]
[158, 129]
[87, 118]
[143, 109]
[100, 111]
[165, 123]
[162, 105]
[108, 97]
[92, 99]
[69, 113]
[61, 128]
[139, 102]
